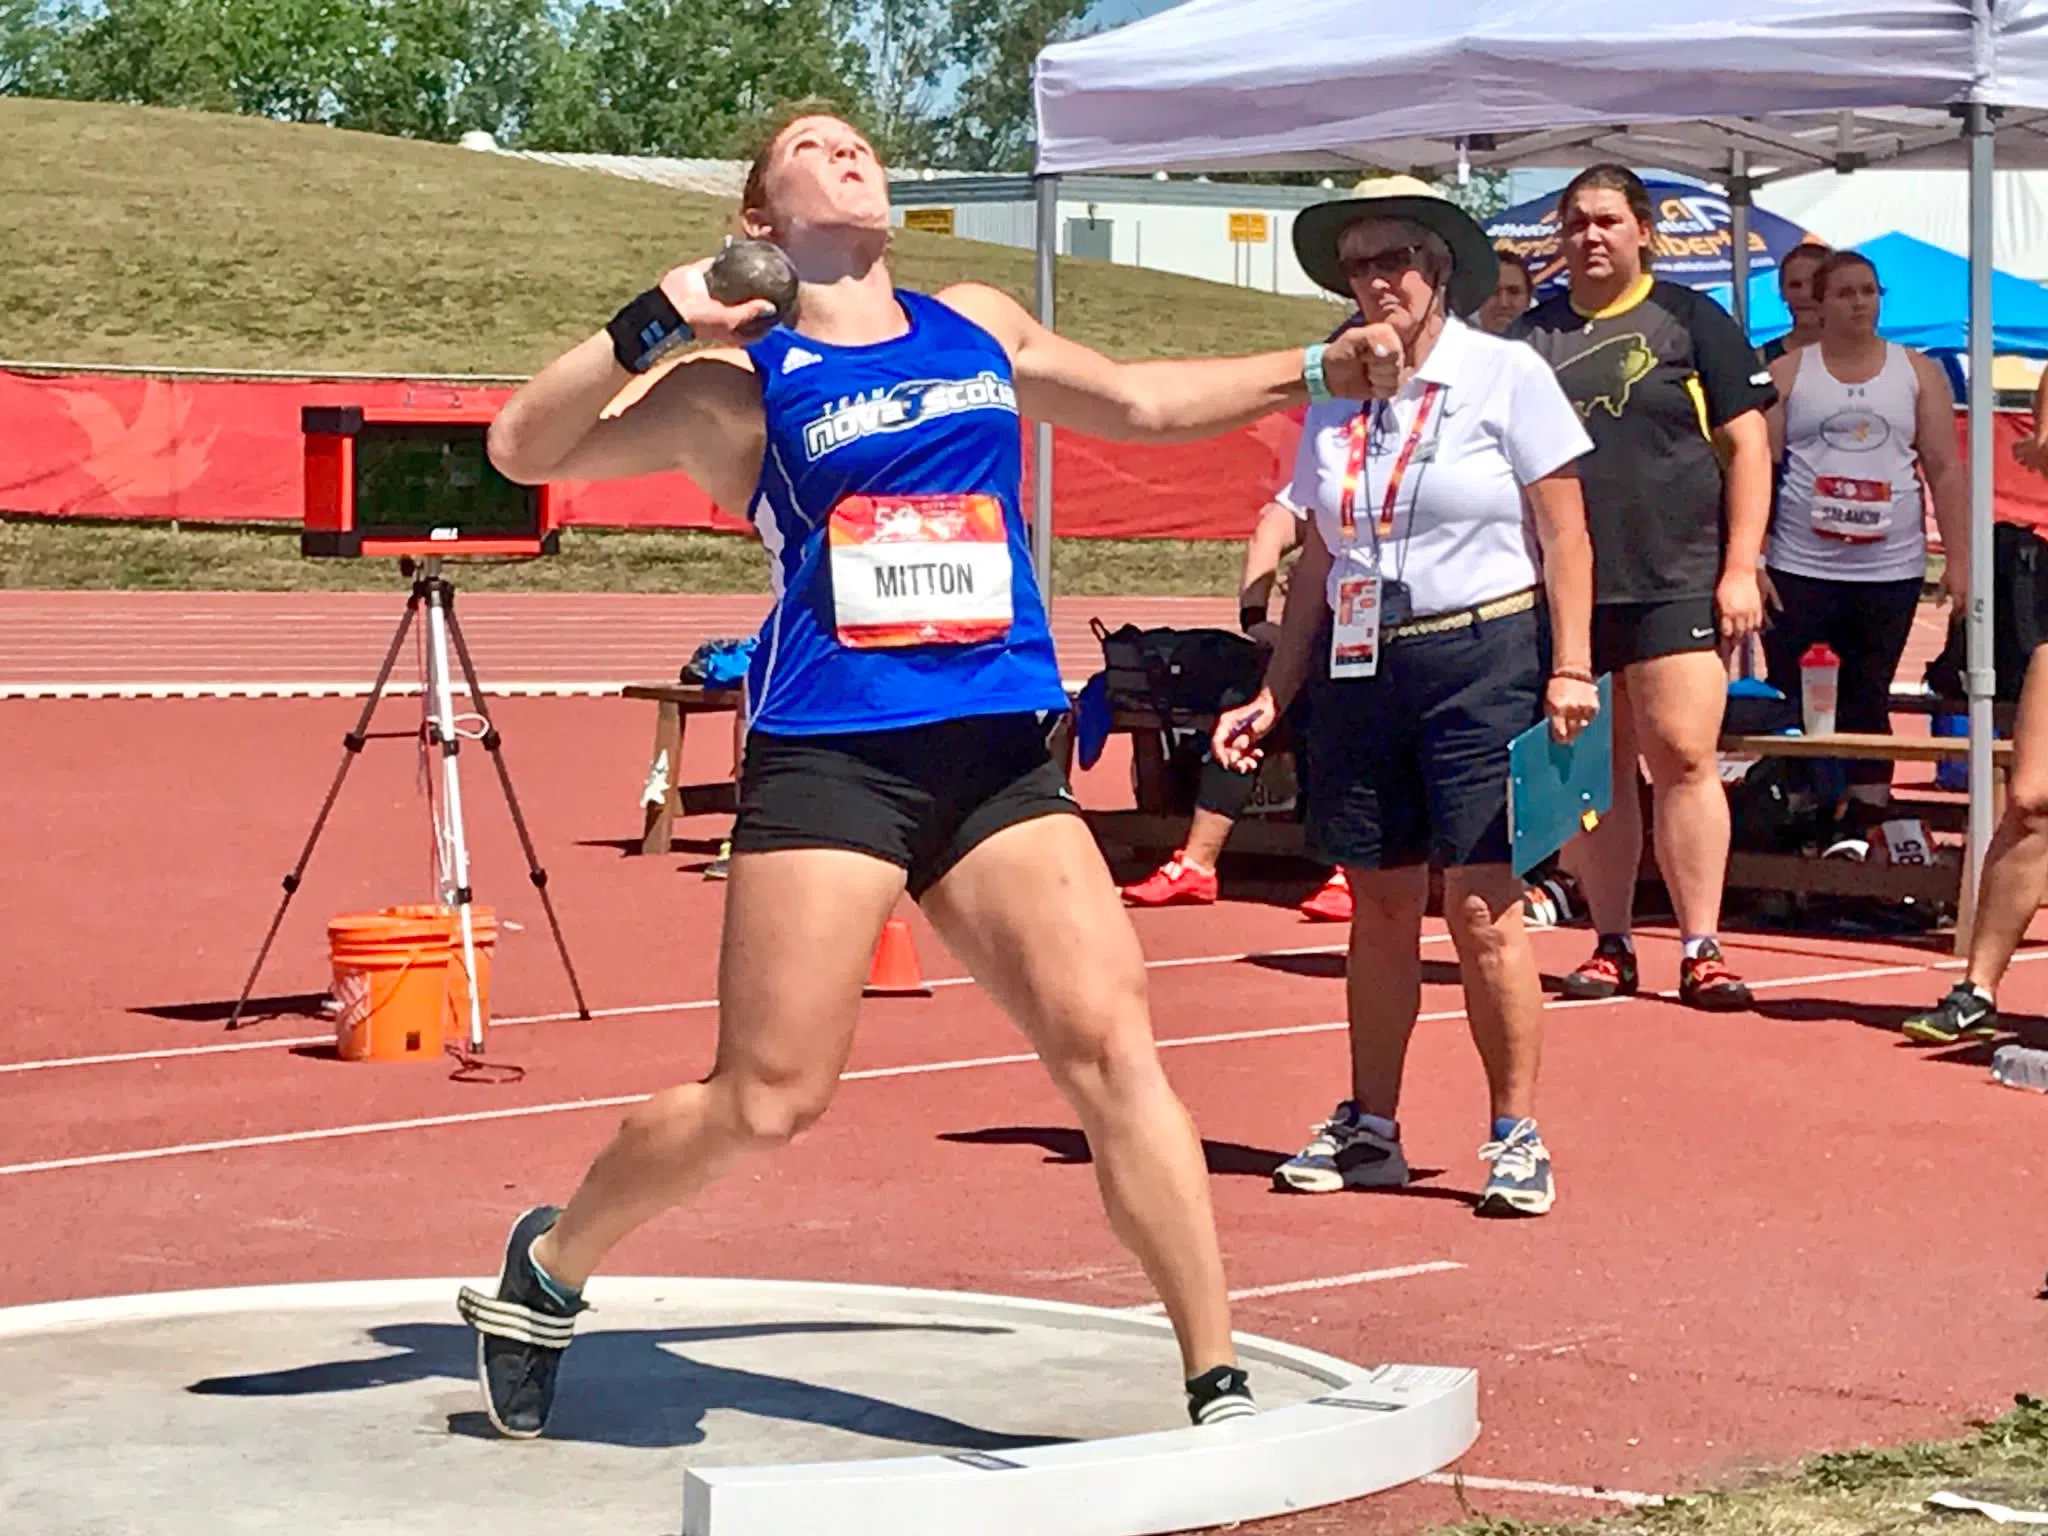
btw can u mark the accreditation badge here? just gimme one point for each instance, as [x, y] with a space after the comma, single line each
[1355, 630]
[919, 570]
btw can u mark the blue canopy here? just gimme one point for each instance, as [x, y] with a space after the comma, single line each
[1694, 246]
[1926, 301]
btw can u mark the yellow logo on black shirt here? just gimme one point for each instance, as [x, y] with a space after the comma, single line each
[1618, 364]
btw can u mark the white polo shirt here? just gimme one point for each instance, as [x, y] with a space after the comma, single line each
[1462, 533]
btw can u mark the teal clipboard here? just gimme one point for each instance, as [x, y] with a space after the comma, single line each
[1556, 791]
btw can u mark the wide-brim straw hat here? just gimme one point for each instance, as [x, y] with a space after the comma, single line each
[1475, 269]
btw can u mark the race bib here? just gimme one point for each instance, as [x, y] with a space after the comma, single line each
[919, 570]
[1853, 511]
[1355, 630]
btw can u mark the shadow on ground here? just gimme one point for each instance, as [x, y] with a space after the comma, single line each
[635, 1387]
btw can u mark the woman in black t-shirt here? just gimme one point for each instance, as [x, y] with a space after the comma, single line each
[1678, 496]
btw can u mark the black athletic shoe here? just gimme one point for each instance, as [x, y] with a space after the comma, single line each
[521, 1332]
[1220, 1394]
[1963, 1013]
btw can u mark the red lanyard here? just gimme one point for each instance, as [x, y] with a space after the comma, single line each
[1354, 469]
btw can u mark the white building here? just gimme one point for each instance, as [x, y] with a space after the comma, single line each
[1223, 232]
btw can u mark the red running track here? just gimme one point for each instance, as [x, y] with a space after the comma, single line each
[52, 643]
[1778, 1232]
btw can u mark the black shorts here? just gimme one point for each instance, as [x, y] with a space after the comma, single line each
[1625, 633]
[922, 798]
[1411, 766]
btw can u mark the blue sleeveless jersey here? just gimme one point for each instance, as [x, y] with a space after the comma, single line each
[931, 413]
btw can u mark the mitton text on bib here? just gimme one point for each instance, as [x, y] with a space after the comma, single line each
[919, 570]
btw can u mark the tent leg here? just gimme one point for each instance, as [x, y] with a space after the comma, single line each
[1738, 235]
[1047, 190]
[1980, 678]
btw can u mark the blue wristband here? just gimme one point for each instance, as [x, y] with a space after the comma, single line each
[1312, 372]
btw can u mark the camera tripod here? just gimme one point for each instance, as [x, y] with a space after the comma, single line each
[436, 594]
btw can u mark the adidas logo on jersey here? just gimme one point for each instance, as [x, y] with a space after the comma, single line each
[797, 357]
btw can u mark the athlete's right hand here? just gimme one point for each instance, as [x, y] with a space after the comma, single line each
[725, 325]
[1386, 360]
[1235, 741]
[2033, 453]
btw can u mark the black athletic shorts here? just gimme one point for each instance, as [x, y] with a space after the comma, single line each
[922, 798]
[1624, 633]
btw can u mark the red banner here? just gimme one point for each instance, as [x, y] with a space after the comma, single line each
[230, 450]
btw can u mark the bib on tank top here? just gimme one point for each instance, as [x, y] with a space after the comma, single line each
[1850, 506]
[888, 504]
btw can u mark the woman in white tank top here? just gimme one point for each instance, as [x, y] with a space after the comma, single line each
[1860, 425]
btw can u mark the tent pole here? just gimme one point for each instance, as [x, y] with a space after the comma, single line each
[1047, 190]
[1980, 678]
[1738, 234]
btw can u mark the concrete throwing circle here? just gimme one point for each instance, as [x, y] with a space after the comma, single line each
[710, 1407]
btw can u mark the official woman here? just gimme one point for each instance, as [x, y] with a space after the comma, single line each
[1451, 620]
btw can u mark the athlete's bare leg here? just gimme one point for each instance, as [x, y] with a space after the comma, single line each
[800, 931]
[1033, 913]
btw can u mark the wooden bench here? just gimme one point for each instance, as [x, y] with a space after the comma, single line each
[1153, 825]
[666, 797]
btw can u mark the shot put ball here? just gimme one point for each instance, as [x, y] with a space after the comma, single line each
[754, 269]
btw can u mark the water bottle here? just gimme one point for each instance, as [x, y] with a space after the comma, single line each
[2019, 1066]
[1820, 672]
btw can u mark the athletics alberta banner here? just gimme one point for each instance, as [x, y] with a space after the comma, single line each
[227, 450]
[1695, 236]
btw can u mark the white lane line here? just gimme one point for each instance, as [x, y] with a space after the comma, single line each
[695, 1005]
[567, 688]
[1553, 1490]
[1326, 1283]
[868, 1074]
[165, 1054]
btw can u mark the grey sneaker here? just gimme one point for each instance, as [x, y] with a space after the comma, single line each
[521, 1332]
[1343, 1154]
[1520, 1183]
[1962, 1014]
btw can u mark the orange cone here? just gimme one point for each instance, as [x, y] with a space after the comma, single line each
[895, 972]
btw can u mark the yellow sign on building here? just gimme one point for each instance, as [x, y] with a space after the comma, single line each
[933, 221]
[1248, 228]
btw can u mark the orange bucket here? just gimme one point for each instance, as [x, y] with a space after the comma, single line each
[391, 978]
[483, 927]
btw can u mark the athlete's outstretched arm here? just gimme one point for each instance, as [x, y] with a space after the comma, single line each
[1069, 385]
[702, 417]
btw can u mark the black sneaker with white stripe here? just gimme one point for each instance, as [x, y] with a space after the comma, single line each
[1220, 1394]
[521, 1333]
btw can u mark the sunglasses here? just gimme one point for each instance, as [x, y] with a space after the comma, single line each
[1388, 263]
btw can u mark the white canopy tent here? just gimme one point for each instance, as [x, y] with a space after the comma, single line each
[1741, 91]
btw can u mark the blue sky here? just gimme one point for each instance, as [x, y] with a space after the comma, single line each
[1114, 13]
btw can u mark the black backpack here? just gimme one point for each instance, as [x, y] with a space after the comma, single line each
[1180, 675]
[2019, 576]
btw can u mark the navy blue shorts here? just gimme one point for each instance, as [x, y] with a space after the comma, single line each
[1411, 766]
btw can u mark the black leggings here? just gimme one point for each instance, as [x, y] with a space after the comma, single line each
[1867, 623]
[1227, 792]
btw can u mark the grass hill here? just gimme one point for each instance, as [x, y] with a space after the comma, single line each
[148, 235]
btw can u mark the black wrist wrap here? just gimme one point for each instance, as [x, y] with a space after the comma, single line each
[647, 330]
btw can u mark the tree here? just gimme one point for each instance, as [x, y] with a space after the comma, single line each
[1484, 193]
[271, 58]
[994, 45]
[441, 68]
[26, 43]
[693, 77]
[906, 45]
